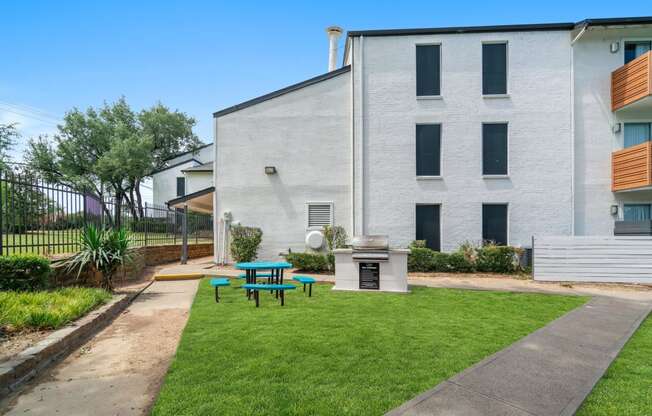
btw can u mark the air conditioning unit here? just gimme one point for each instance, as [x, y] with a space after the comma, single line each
[315, 240]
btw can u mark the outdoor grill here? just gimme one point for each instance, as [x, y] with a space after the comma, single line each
[371, 265]
[370, 248]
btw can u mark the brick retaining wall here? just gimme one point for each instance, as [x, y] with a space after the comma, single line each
[142, 257]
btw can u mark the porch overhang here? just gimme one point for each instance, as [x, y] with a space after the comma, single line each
[199, 201]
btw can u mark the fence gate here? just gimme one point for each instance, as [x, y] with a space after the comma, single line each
[593, 259]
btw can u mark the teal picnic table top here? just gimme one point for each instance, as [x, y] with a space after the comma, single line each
[263, 265]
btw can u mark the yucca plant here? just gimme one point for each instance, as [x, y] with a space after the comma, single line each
[101, 250]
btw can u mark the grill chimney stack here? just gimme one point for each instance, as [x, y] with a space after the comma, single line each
[334, 33]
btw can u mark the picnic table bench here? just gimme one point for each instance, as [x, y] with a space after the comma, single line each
[305, 280]
[278, 288]
[216, 282]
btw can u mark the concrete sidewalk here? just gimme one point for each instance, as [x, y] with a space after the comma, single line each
[549, 372]
[119, 371]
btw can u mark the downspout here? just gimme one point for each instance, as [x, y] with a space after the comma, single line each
[216, 222]
[352, 134]
[572, 127]
[362, 155]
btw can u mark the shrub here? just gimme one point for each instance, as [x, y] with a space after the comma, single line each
[458, 263]
[309, 262]
[420, 259]
[245, 242]
[417, 244]
[498, 259]
[101, 250]
[24, 272]
[335, 237]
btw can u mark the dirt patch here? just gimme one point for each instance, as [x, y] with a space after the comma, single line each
[11, 345]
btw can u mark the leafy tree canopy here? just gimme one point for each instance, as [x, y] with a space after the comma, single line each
[112, 149]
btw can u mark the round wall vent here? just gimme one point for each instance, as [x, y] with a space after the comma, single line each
[315, 240]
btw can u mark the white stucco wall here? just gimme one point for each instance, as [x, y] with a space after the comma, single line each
[305, 134]
[196, 181]
[594, 139]
[164, 183]
[538, 111]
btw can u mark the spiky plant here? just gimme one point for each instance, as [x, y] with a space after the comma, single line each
[101, 250]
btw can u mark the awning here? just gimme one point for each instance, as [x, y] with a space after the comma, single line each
[199, 201]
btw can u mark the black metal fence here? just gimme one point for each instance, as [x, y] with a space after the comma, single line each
[47, 219]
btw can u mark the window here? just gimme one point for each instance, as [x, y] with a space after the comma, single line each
[634, 49]
[494, 68]
[181, 186]
[494, 223]
[637, 212]
[428, 226]
[494, 149]
[428, 149]
[319, 214]
[428, 70]
[636, 133]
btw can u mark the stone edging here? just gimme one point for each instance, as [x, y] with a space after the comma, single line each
[29, 362]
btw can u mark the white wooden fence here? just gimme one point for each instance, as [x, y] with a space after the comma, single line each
[593, 259]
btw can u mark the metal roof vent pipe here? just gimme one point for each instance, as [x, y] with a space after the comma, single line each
[334, 33]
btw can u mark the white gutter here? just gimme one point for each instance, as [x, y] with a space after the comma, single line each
[362, 214]
[352, 134]
[572, 127]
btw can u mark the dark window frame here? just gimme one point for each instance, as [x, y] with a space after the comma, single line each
[506, 91]
[507, 210]
[416, 146]
[482, 134]
[632, 41]
[183, 178]
[437, 247]
[416, 72]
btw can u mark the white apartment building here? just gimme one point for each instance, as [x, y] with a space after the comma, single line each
[185, 174]
[450, 135]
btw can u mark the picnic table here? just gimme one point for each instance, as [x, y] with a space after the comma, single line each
[275, 267]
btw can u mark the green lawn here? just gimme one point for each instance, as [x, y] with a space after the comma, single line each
[65, 241]
[626, 388]
[47, 309]
[338, 353]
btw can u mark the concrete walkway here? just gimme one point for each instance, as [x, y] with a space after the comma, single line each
[119, 371]
[549, 372]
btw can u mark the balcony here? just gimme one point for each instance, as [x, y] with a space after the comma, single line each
[631, 168]
[631, 84]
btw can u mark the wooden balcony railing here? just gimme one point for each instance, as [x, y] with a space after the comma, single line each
[631, 82]
[631, 168]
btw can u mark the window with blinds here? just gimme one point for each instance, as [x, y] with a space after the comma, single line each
[320, 214]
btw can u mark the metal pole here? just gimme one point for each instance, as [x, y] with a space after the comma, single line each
[184, 235]
[145, 223]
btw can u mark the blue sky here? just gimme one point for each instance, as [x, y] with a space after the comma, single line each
[201, 56]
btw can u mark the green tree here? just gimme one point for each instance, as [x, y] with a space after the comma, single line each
[111, 150]
[8, 136]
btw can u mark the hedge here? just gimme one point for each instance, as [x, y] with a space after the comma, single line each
[311, 262]
[24, 272]
[489, 258]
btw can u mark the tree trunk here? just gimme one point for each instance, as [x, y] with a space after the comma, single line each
[139, 199]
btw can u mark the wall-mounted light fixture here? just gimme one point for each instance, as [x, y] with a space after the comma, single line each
[614, 210]
[614, 47]
[615, 128]
[270, 170]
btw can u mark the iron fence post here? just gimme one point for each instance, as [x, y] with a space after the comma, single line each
[184, 235]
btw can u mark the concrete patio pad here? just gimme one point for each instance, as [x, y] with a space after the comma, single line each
[549, 372]
[119, 371]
